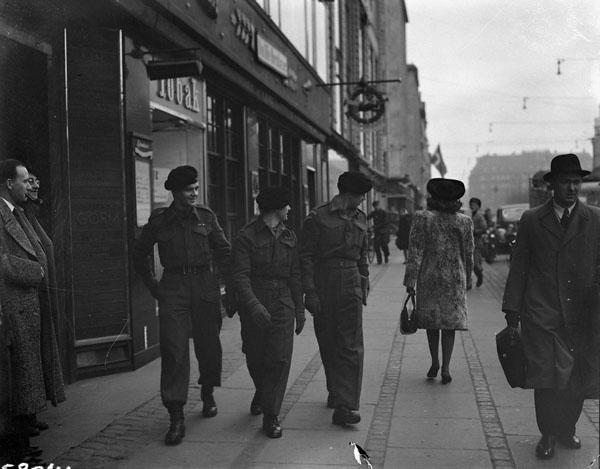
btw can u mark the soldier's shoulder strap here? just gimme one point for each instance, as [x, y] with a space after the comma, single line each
[319, 209]
[157, 214]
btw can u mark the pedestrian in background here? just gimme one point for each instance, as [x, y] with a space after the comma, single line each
[335, 279]
[479, 229]
[489, 218]
[35, 375]
[266, 274]
[190, 240]
[440, 259]
[402, 236]
[381, 232]
[553, 290]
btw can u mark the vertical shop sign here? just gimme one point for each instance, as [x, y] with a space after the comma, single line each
[142, 152]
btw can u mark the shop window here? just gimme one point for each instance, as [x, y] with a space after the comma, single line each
[226, 162]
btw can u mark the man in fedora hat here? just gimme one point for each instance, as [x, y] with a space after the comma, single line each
[335, 278]
[552, 290]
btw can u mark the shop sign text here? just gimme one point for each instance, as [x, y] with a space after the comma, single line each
[245, 30]
[270, 56]
[181, 91]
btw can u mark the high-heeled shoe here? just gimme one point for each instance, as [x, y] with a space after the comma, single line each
[433, 371]
[446, 378]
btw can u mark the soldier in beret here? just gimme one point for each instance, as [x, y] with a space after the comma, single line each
[335, 279]
[266, 274]
[189, 241]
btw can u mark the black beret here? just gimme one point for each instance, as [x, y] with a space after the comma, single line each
[476, 200]
[445, 189]
[181, 177]
[354, 182]
[273, 198]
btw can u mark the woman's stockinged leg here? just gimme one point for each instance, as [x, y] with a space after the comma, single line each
[433, 339]
[447, 347]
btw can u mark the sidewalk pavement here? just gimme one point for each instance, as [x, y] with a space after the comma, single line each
[476, 421]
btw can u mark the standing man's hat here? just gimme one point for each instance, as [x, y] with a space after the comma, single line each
[273, 198]
[354, 182]
[563, 164]
[445, 189]
[181, 177]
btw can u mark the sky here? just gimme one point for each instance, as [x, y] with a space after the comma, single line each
[479, 59]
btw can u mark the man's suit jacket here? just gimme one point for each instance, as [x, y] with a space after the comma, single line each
[554, 284]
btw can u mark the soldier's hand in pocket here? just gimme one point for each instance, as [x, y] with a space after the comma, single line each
[312, 304]
[365, 286]
[261, 316]
[300, 320]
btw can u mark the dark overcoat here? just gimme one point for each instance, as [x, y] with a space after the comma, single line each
[553, 284]
[23, 280]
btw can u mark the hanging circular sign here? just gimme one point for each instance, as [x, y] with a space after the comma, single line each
[365, 104]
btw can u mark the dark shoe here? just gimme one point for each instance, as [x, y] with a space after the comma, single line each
[446, 378]
[330, 401]
[433, 371]
[570, 441]
[545, 447]
[41, 425]
[255, 407]
[209, 408]
[344, 416]
[33, 451]
[479, 280]
[177, 428]
[386, 260]
[271, 426]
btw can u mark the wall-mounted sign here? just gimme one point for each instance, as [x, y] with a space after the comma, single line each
[245, 30]
[180, 96]
[142, 154]
[270, 56]
[365, 104]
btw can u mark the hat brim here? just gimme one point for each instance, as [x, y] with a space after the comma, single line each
[549, 175]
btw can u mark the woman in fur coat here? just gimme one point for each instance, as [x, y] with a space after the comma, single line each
[440, 261]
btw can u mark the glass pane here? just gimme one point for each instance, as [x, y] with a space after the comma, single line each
[321, 40]
[263, 144]
[293, 23]
[274, 150]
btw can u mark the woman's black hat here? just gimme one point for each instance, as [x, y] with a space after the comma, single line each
[445, 189]
[181, 177]
[563, 164]
[273, 198]
[354, 182]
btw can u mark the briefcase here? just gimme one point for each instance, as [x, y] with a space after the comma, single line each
[512, 357]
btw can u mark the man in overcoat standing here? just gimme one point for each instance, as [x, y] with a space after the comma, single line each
[335, 279]
[553, 290]
[35, 374]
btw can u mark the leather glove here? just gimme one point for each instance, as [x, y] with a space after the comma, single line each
[300, 320]
[365, 286]
[312, 304]
[261, 316]
[512, 319]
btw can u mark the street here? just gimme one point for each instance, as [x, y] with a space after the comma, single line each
[476, 421]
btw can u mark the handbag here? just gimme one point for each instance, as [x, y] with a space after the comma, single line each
[512, 357]
[408, 320]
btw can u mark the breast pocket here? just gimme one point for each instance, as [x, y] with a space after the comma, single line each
[332, 235]
[358, 234]
[285, 253]
[200, 240]
[261, 255]
[166, 244]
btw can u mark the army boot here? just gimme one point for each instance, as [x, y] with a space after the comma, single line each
[177, 429]
[209, 407]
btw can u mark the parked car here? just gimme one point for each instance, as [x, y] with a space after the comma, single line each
[507, 224]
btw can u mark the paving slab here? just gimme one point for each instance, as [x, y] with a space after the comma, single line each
[438, 433]
[407, 458]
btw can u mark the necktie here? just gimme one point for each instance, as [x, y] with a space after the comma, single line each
[564, 220]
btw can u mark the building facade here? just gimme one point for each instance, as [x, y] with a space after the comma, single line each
[504, 179]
